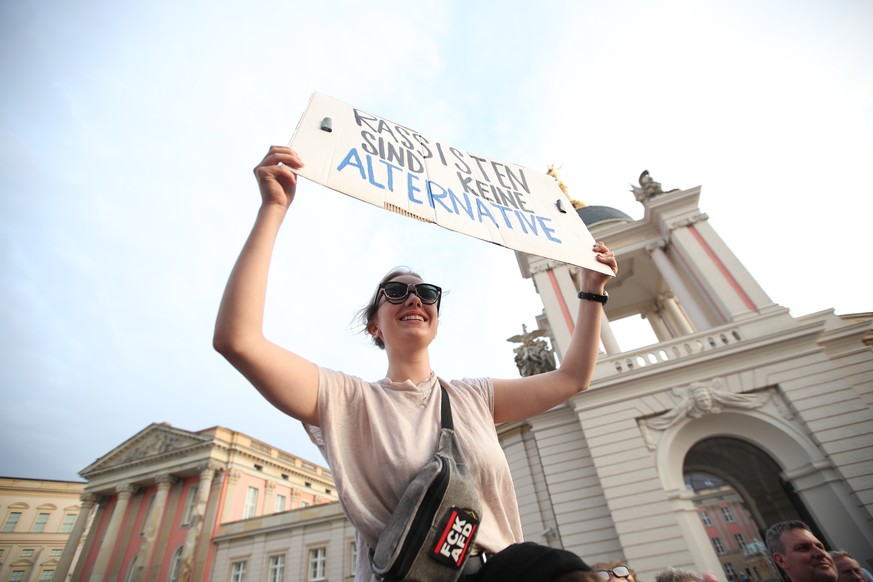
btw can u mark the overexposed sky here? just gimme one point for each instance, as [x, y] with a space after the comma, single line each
[129, 133]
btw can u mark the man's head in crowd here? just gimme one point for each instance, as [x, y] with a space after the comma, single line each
[799, 553]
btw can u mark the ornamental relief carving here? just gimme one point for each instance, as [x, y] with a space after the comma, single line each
[700, 399]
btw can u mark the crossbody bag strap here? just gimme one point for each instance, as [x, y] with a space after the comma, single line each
[446, 409]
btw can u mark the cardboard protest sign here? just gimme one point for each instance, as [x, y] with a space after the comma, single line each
[398, 169]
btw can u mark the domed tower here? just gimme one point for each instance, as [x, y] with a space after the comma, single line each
[676, 272]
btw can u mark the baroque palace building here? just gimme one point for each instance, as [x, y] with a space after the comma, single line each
[157, 501]
[679, 454]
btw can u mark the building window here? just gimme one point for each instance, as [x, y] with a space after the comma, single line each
[190, 504]
[16, 576]
[27, 553]
[305, 504]
[353, 552]
[251, 508]
[131, 570]
[741, 543]
[175, 565]
[46, 575]
[281, 500]
[719, 547]
[277, 568]
[39, 524]
[238, 572]
[704, 516]
[317, 558]
[731, 573]
[11, 522]
[728, 516]
[67, 524]
[57, 552]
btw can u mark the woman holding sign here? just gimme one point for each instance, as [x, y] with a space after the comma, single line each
[377, 436]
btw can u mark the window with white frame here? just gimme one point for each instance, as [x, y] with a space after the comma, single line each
[46, 575]
[719, 547]
[251, 508]
[729, 568]
[175, 565]
[16, 576]
[238, 572]
[277, 568]
[39, 524]
[67, 524]
[57, 553]
[281, 500]
[741, 543]
[704, 516]
[728, 516]
[28, 553]
[11, 521]
[190, 504]
[317, 560]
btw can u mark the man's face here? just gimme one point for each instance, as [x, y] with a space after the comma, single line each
[848, 570]
[804, 558]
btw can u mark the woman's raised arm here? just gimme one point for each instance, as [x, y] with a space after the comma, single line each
[521, 398]
[287, 380]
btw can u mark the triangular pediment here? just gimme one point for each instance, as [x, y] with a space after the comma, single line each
[153, 442]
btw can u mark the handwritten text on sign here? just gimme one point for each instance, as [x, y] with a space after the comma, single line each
[396, 168]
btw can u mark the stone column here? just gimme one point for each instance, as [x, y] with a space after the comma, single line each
[269, 490]
[101, 566]
[610, 344]
[72, 546]
[678, 286]
[196, 527]
[674, 316]
[656, 321]
[152, 525]
[232, 476]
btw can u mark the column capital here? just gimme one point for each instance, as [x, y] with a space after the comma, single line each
[659, 244]
[687, 221]
[88, 499]
[165, 479]
[125, 490]
[270, 485]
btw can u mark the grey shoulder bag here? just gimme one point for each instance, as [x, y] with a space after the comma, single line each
[431, 532]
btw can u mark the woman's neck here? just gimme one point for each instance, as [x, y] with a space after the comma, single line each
[415, 369]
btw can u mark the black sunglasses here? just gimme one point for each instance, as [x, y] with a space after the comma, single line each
[618, 572]
[397, 292]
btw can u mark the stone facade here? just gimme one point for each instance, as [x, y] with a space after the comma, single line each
[161, 496]
[38, 517]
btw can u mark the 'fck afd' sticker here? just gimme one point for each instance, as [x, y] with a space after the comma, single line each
[455, 537]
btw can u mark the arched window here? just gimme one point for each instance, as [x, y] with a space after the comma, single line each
[130, 570]
[175, 565]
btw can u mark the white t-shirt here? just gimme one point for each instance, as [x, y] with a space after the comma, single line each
[377, 435]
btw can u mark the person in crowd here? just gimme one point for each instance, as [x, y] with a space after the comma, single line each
[848, 568]
[614, 571]
[801, 555]
[377, 435]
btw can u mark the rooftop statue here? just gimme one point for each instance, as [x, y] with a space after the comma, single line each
[647, 189]
[533, 356]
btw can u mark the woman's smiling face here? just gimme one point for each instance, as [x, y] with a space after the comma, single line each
[397, 324]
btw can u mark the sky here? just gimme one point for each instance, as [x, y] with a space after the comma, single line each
[129, 131]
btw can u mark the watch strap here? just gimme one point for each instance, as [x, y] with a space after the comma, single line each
[594, 297]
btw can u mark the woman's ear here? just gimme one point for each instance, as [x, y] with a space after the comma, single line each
[373, 330]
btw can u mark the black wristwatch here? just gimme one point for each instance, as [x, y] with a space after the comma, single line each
[594, 296]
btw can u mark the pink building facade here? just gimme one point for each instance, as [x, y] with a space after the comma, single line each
[158, 499]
